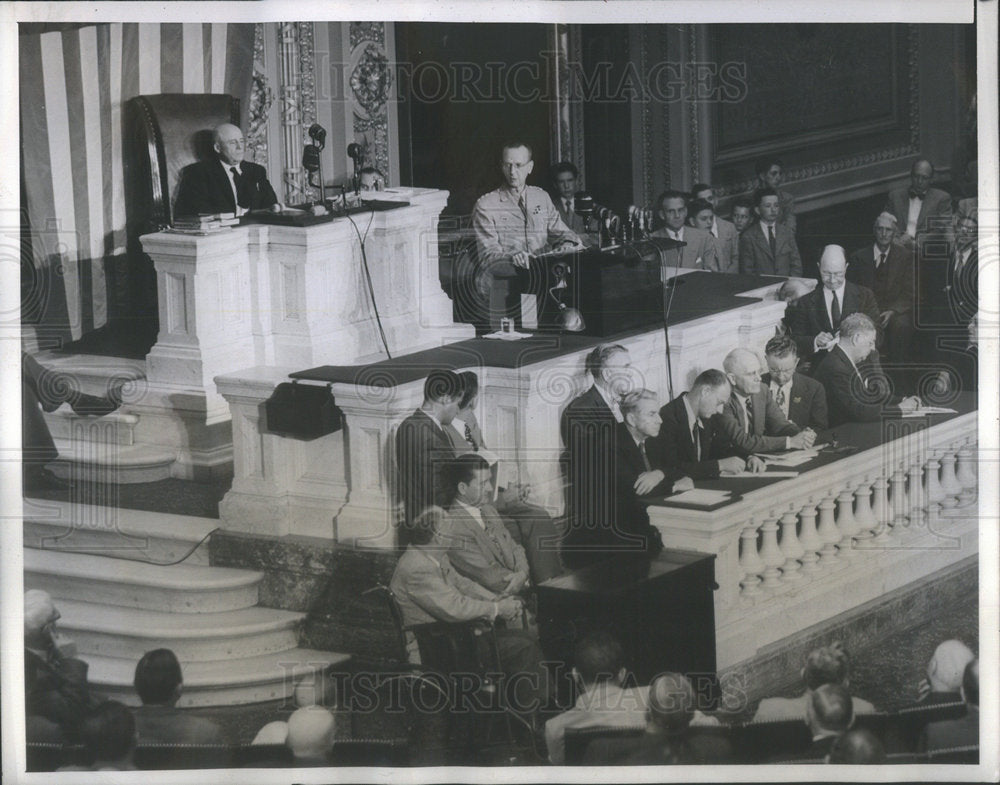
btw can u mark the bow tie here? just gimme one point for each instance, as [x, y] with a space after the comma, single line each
[915, 195]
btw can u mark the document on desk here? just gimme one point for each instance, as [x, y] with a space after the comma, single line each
[925, 410]
[700, 497]
[765, 475]
[793, 458]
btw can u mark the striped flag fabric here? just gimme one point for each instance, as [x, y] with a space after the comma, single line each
[74, 82]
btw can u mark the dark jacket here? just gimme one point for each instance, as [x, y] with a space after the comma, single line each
[807, 407]
[808, 317]
[854, 395]
[674, 450]
[205, 188]
[755, 252]
[769, 426]
[422, 448]
[894, 287]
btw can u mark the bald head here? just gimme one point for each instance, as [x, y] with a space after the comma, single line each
[921, 174]
[857, 747]
[743, 371]
[310, 732]
[944, 671]
[671, 703]
[833, 267]
[229, 143]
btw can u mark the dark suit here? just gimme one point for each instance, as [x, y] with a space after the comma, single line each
[961, 732]
[935, 209]
[853, 395]
[170, 725]
[807, 404]
[816, 751]
[808, 317]
[205, 188]
[893, 286]
[422, 447]
[649, 749]
[755, 252]
[633, 529]
[770, 427]
[950, 293]
[674, 450]
[569, 217]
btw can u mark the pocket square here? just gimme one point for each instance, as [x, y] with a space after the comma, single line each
[797, 399]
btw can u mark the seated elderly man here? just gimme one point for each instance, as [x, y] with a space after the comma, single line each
[825, 665]
[944, 674]
[310, 736]
[856, 387]
[57, 697]
[159, 684]
[751, 421]
[963, 731]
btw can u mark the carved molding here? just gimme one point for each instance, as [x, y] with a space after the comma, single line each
[693, 109]
[292, 175]
[370, 79]
[261, 99]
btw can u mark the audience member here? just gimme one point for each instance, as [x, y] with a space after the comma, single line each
[751, 421]
[669, 737]
[825, 665]
[856, 388]
[699, 249]
[963, 731]
[108, 735]
[858, 747]
[55, 686]
[727, 238]
[829, 715]
[686, 444]
[802, 400]
[944, 674]
[920, 208]
[770, 248]
[158, 683]
[310, 736]
[275, 732]
[371, 179]
[770, 174]
[564, 177]
[814, 321]
[743, 214]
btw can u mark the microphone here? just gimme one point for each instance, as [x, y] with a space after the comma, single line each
[583, 204]
[310, 158]
[318, 134]
[357, 155]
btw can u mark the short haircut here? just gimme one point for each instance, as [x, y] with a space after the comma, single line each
[511, 144]
[744, 201]
[108, 732]
[764, 164]
[711, 379]
[856, 324]
[463, 469]
[598, 656]
[859, 747]
[697, 188]
[157, 675]
[970, 683]
[563, 166]
[781, 346]
[760, 193]
[695, 206]
[470, 387]
[442, 384]
[671, 702]
[826, 665]
[919, 161]
[671, 194]
[887, 216]
[598, 356]
[422, 529]
[631, 400]
[832, 707]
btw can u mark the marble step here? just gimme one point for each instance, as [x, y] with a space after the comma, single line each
[92, 373]
[180, 589]
[128, 633]
[115, 428]
[108, 462]
[226, 682]
[117, 531]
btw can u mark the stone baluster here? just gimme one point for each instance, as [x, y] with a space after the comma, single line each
[966, 474]
[846, 522]
[900, 504]
[917, 494]
[949, 483]
[791, 570]
[881, 511]
[863, 514]
[809, 539]
[750, 561]
[828, 532]
[770, 553]
[935, 493]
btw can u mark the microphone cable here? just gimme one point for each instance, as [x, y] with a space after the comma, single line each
[368, 275]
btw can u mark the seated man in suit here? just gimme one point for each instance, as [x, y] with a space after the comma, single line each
[701, 215]
[856, 387]
[159, 684]
[920, 208]
[108, 736]
[636, 475]
[727, 237]
[371, 179]
[944, 674]
[699, 249]
[825, 665]
[802, 400]
[858, 747]
[769, 248]
[886, 269]
[743, 215]
[589, 428]
[963, 731]
[751, 421]
[226, 184]
[686, 445]
[564, 187]
[670, 735]
[428, 589]
[770, 173]
[814, 321]
[829, 715]
[422, 446]
[479, 545]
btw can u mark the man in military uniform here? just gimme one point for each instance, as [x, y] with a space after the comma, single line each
[511, 224]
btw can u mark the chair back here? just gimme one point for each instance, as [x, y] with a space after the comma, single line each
[966, 755]
[399, 652]
[576, 740]
[905, 726]
[163, 134]
[758, 741]
[370, 752]
[152, 757]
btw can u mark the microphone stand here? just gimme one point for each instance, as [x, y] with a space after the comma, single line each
[670, 284]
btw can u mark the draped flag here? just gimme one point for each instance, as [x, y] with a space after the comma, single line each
[74, 83]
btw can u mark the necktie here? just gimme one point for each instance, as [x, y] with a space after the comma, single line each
[835, 312]
[779, 397]
[523, 205]
[772, 242]
[569, 205]
[697, 440]
[238, 182]
[915, 195]
[749, 402]
[469, 439]
[881, 260]
[645, 458]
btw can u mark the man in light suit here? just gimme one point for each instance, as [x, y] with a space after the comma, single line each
[564, 188]
[814, 319]
[769, 247]
[886, 268]
[727, 237]
[920, 208]
[802, 400]
[479, 545]
[751, 421]
[227, 184]
[699, 251]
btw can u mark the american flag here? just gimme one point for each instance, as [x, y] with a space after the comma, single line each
[74, 81]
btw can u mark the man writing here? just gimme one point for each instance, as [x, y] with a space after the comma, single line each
[801, 400]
